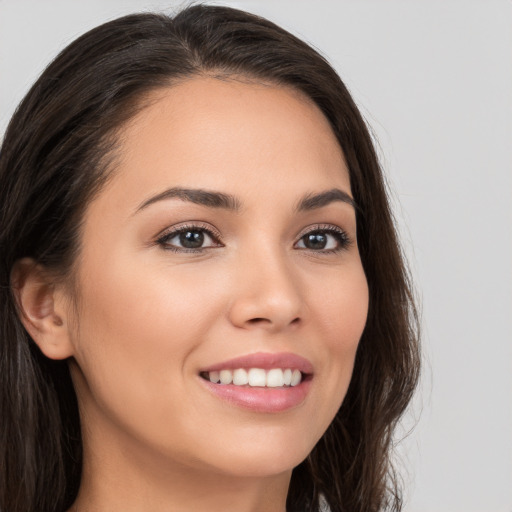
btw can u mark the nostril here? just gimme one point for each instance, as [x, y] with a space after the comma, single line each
[257, 320]
[269, 323]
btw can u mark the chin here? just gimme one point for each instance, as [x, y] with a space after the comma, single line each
[262, 467]
[264, 456]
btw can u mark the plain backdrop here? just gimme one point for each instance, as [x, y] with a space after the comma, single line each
[434, 80]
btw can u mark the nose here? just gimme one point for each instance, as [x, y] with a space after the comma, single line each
[266, 292]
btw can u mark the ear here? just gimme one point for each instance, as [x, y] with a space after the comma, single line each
[42, 306]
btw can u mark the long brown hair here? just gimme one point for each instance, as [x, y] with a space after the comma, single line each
[55, 156]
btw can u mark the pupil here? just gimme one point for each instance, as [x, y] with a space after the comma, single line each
[316, 241]
[191, 239]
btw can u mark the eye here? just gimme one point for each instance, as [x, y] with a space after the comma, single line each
[329, 239]
[189, 239]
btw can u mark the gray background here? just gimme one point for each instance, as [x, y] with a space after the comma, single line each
[434, 80]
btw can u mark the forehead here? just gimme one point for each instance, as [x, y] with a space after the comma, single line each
[229, 134]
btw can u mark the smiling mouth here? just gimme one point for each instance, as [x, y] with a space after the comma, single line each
[261, 382]
[256, 377]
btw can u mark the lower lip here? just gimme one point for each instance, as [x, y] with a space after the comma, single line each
[256, 399]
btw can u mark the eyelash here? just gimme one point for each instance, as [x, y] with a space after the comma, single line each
[163, 240]
[339, 234]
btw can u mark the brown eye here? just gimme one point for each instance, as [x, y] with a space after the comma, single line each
[328, 240]
[191, 239]
[315, 241]
[188, 238]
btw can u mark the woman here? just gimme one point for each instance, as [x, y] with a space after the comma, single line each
[204, 303]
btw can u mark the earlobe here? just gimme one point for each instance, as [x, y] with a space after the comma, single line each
[41, 308]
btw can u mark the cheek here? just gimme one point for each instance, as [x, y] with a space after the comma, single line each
[136, 317]
[342, 314]
[137, 328]
[342, 310]
[142, 318]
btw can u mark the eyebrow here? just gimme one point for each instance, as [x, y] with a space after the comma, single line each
[208, 198]
[314, 201]
[213, 199]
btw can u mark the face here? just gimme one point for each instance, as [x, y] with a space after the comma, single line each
[223, 248]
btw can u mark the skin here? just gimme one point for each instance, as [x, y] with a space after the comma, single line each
[141, 320]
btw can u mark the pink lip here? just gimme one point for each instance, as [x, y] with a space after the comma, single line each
[265, 361]
[263, 400]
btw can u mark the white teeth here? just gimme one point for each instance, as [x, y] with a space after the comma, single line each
[226, 376]
[257, 377]
[240, 377]
[275, 378]
[214, 377]
[296, 377]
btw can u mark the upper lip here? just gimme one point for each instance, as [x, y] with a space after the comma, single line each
[265, 361]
